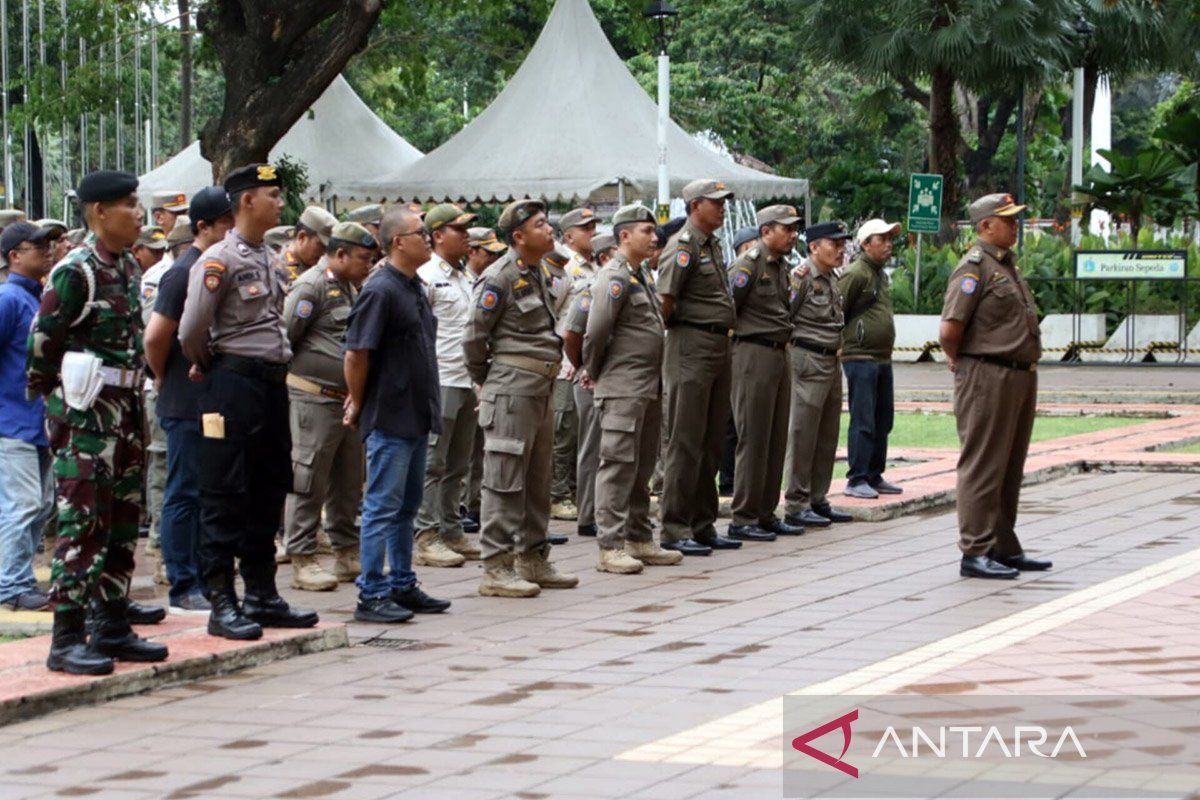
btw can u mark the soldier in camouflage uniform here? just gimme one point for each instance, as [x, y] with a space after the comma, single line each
[91, 307]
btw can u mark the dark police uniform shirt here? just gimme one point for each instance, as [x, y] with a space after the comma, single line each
[392, 318]
[178, 395]
[691, 269]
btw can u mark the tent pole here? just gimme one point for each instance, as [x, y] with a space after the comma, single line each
[8, 165]
[620, 191]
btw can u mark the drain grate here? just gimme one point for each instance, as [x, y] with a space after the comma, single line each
[385, 643]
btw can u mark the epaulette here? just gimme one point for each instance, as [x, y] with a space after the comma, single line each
[975, 255]
[685, 237]
[753, 252]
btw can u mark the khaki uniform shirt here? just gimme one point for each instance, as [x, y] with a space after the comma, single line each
[758, 282]
[513, 314]
[234, 304]
[317, 308]
[988, 294]
[623, 346]
[816, 305]
[691, 269]
[559, 284]
[291, 266]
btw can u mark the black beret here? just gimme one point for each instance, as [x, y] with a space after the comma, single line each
[208, 204]
[105, 184]
[252, 176]
[826, 230]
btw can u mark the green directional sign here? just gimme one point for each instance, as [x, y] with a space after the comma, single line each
[925, 203]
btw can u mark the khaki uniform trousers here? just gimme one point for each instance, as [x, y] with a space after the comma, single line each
[566, 440]
[762, 392]
[475, 475]
[156, 465]
[629, 430]
[813, 431]
[518, 454]
[327, 473]
[447, 463]
[588, 461]
[696, 374]
[995, 408]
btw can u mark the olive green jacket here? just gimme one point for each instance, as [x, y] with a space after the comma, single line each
[870, 332]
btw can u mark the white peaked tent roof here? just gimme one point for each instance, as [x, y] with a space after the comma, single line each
[571, 121]
[341, 141]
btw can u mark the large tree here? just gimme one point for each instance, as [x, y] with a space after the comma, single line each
[278, 56]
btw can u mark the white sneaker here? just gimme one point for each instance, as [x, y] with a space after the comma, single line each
[862, 491]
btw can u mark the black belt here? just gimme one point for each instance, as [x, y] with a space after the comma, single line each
[762, 341]
[719, 330]
[814, 348]
[252, 367]
[1020, 366]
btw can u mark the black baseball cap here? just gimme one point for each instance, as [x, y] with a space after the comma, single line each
[209, 204]
[18, 233]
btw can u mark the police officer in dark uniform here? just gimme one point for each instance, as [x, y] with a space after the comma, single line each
[233, 329]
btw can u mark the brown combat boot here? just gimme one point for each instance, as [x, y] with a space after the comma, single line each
[499, 579]
[347, 568]
[650, 554]
[466, 547]
[431, 552]
[535, 567]
[618, 562]
[310, 576]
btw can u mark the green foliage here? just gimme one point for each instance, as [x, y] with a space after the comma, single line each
[294, 175]
[1151, 183]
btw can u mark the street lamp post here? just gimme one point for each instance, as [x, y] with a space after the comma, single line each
[1083, 32]
[663, 15]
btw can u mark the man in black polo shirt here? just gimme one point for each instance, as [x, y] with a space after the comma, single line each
[395, 399]
[179, 529]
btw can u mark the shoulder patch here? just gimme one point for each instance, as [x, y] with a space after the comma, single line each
[215, 266]
[615, 289]
[975, 255]
[489, 297]
[212, 280]
[304, 309]
[742, 279]
[585, 303]
[969, 284]
[147, 292]
[682, 259]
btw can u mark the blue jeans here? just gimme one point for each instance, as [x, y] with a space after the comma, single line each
[179, 528]
[26, 505]
[395, 482]
[872, 412]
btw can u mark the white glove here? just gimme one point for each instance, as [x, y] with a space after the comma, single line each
[81, 379]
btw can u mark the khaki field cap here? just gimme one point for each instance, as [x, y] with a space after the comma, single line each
[447, 214]
[51, 223]
[182, 232]
[876, 227]
[519, 212]
[486, 238]
[782, 215]
[279, 236]
[706, 188]
[366, 215]
[353, 233]
[173, 201]
[319, 221]
[602, 242]
[631, 213]
[10, 215]
[993, 205]
[152, 237]
[557, 257]
[577, 218]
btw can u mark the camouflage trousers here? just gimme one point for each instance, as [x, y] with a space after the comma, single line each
[99, 480]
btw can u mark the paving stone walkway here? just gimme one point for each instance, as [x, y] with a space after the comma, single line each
[583, 693]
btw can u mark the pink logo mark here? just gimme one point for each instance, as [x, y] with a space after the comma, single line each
[801, 743]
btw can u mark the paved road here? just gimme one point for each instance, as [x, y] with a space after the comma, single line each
[562, 696]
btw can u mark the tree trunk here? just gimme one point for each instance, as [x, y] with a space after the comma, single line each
[278, 57]
[944, 137]
[185, 75]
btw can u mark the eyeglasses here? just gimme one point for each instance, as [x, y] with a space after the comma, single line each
[424, 234]
[36, 248]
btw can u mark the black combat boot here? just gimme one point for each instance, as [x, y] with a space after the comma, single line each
[226, 618]
[68, 647]
[264, 605]
[138, 614]
[112, 636]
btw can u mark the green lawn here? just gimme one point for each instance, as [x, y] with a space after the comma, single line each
[1190, 448]
[937, 430]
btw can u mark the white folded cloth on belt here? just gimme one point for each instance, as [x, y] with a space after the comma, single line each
[84, 376]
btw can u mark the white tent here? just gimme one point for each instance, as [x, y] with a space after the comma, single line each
[571, 124]
[341, 141]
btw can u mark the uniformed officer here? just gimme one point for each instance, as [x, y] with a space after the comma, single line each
[513, 352]
[59, 244]
[579, 236]
[696, 371]
[759, 283]
[90, 312]
[369, 216]
[327, 457]
[179, 238]
[312, 236]
[817, 322]
[166, 207]
[623, 350]
[233, 330]
[149, 250]
[992, 342]
[485, 249]
[603, 247]
[440, 541]
[279, 237]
